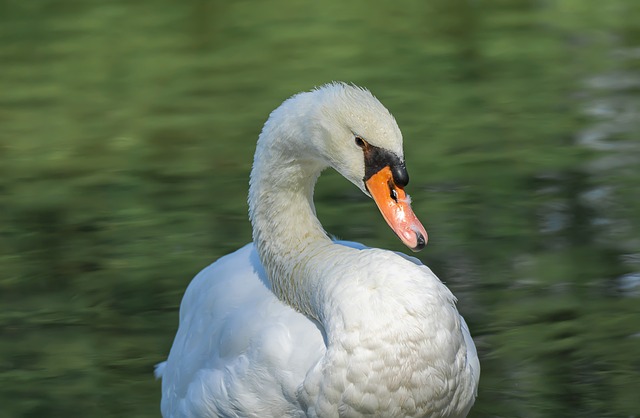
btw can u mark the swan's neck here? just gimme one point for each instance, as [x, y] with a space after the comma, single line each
[286, 231]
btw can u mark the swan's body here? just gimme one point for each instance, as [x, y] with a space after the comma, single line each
[296, 325]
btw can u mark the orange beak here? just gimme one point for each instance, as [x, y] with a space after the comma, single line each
[395, 207]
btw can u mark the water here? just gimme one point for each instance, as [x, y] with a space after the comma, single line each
[126, 136]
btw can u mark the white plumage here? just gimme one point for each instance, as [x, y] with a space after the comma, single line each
[297, 325]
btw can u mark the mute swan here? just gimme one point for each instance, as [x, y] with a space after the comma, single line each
[297, 325]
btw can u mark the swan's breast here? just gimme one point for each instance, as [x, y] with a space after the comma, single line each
[395, 343]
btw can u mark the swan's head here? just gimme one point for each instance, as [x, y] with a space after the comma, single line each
[351, 131]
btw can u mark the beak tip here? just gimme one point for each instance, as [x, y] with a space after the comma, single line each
[421, 242]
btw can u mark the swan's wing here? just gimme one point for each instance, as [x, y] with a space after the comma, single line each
[472, 354]
[238, 351]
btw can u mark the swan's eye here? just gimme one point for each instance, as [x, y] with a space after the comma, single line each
[394, 194]
[360, 142]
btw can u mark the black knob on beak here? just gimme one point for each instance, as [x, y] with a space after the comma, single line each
[400, 174]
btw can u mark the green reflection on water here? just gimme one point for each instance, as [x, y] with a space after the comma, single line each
[126, 136]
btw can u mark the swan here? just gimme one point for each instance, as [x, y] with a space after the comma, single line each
[296, 324]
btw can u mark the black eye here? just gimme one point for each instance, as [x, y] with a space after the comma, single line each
[360, 142]
[394, 195]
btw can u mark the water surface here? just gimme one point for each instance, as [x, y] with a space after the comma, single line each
[126, 136]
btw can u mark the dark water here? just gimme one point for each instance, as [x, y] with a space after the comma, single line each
[126, 135]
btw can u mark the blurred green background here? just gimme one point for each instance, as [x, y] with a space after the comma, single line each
[127, 129]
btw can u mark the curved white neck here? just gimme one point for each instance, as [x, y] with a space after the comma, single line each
[286, 231]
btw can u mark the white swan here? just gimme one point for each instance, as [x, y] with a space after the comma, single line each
[295, 324]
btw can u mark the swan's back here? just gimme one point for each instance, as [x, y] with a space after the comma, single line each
[238, 351]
